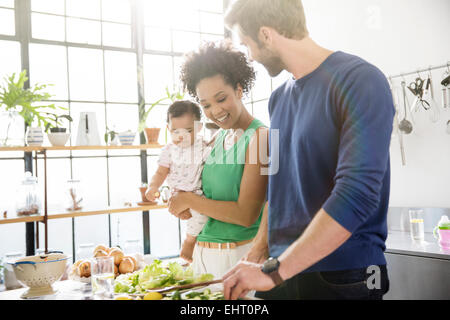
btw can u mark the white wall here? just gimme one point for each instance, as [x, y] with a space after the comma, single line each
[398, 36]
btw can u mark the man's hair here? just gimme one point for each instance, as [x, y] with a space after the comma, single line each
[182, 107]
[287, 17]
[213, 59]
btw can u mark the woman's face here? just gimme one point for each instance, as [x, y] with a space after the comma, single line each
[220, 102]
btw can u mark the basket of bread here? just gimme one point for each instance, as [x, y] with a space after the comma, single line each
[123, 264]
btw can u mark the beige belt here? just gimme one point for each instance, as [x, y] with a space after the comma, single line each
[228, 245]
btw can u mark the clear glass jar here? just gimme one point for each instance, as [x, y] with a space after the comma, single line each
[12, 128]
[133, 246]
[73, 195]
[28, 201]
[85, 251]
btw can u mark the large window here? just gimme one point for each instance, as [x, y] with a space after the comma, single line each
[89, 50]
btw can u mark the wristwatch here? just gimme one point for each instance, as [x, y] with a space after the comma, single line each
[270, 267]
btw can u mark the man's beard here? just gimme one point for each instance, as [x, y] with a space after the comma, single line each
[272, 63]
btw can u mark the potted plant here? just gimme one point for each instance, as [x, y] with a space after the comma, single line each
[111, 137]
[13, 95]
[58, 135]
[152, 133]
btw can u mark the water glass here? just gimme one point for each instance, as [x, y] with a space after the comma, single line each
[102, 277]
[416, 224]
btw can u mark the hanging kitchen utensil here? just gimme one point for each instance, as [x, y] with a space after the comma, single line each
[396, 100]
[428, 100]
[445, 93]
[405, 126]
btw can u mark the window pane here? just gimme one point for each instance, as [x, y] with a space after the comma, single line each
[12, 237]
[93, 182]
[92, 229]
[86, 74]
[83, 8]
[123, 118]
[124, 180]
[59, 236]
[211, 5]
[211, 37]
[158, 39]
[261, 111]
[262, 88]
[116, 35]
[50, 6]
[185, 41]
[48, 65]
[121, 76]
[9, 59]
[7, 3]
[7, 22]
[116, 10]
[158, 14]
[184, 18]
[83, 31]
[211, 23]
[164, 234]
[158, 119]
[157, 76]
[127, 226]
[48, 27]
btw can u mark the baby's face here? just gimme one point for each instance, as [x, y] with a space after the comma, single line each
[182, 130]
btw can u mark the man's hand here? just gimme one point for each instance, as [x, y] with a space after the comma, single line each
[245, 276]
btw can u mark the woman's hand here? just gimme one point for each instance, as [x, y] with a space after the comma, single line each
[179, 206]
[257, 254]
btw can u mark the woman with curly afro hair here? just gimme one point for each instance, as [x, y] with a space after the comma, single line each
[233, 179]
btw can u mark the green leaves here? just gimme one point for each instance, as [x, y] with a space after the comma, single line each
[14, 95]
[171, 96]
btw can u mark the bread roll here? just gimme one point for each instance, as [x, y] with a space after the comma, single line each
[135, 263]
[117, 254]
[84, 269]
[100, 253]
[100, 247]
[126, 265]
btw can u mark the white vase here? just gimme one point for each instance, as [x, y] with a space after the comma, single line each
[35, 136]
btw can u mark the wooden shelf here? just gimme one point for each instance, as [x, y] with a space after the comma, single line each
[13, 218]
[42, 148]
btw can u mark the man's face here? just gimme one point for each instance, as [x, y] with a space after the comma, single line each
[260, 53]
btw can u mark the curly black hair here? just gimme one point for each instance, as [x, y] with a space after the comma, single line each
[217, 59]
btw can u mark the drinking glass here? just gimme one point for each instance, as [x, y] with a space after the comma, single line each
[102, 277]
[416, 223]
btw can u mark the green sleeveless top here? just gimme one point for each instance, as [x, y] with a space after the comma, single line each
[221, 180]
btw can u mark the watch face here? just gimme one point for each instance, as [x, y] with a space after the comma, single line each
[270, 265]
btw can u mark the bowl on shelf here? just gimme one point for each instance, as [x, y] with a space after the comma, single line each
[39, 272]
[58, 139]
[127, 137]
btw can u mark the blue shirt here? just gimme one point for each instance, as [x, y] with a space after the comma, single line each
[334, 129]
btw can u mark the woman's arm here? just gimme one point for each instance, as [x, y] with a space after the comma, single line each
[259, 252]
[245, 211]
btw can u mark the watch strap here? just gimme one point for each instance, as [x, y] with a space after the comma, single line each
[276, 278]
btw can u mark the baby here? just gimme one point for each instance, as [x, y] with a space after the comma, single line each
[181, 163]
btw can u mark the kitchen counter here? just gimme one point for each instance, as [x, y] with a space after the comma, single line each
[65, 290]
[400, 242]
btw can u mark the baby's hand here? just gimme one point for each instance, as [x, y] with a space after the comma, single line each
[151, 194]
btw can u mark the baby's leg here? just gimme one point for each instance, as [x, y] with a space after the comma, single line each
[194, 227]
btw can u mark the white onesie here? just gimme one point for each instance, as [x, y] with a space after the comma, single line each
[185, 171]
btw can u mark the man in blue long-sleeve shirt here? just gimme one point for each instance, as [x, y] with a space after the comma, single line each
[325, 220]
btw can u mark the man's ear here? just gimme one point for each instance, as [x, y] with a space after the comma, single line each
[265, 35]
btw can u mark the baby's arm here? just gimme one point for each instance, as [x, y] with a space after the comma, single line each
[157, 180]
